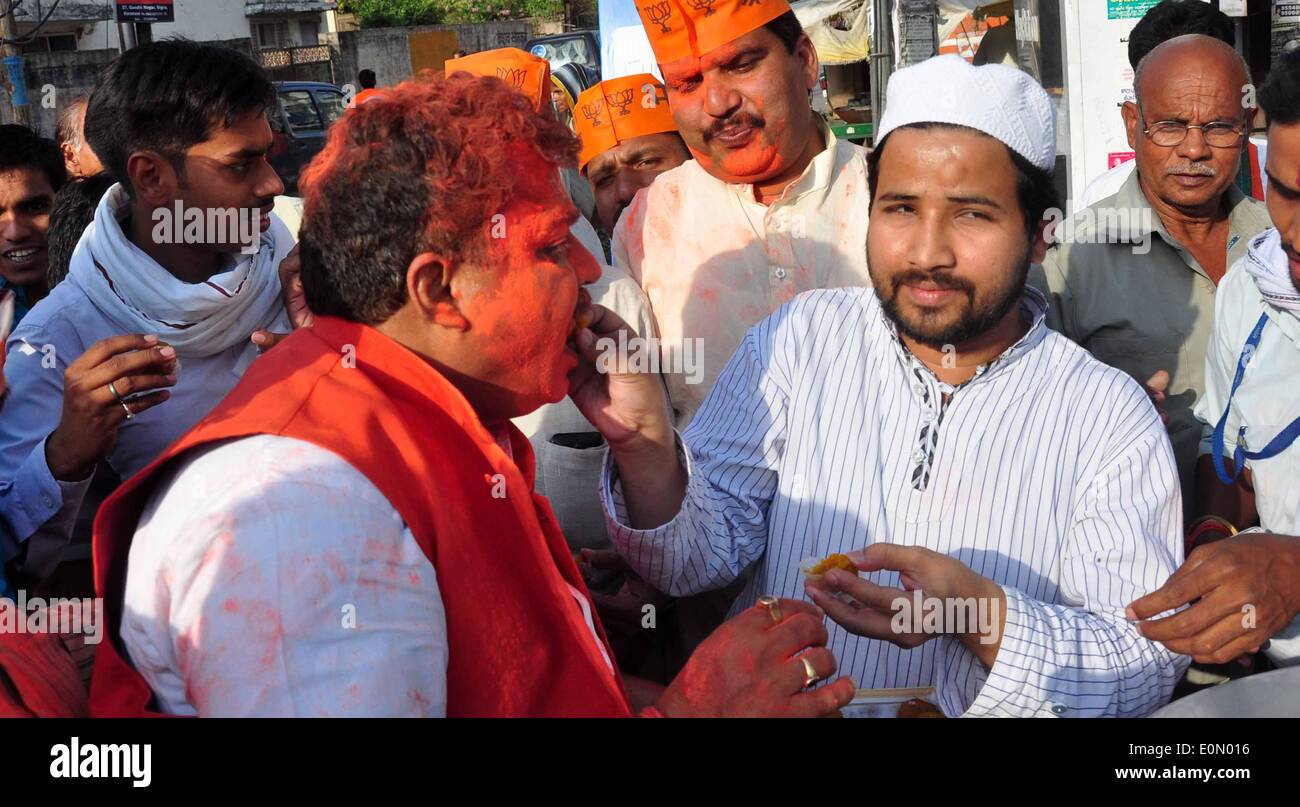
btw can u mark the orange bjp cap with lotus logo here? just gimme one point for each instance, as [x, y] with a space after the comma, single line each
[527, 73]
[680, 29]
[620, 109]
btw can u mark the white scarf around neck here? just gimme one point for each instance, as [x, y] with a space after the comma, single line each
[198, 319]
[1270, 267]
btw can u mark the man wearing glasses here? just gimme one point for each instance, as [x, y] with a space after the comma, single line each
[1133, 277]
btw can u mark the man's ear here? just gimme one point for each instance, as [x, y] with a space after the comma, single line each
[1042, 239]
[428, 286]
[808, 60]
[153, 178]
[1129, 111]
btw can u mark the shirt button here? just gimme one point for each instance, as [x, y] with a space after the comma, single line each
[918, 456]
[780, 273]
[1058, 709]
[47, 501]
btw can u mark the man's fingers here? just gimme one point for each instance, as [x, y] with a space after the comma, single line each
[132, 385]
[869, 622]
[1222, 642]
[823, 701]
[894, 557]
[794, 675]
[1183, 586]
[796, 632]
[140, 403]
[267, 339]
[99, 352]
[862, 589]
[1158, 383]
[1190, 622]
[124, 364]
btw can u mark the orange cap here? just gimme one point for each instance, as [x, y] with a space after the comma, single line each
[684, 28]
[527, 73]
[620, 109]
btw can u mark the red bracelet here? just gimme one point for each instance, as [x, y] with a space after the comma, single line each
[1204, 530]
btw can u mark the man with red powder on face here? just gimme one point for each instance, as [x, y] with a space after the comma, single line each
[353, 530]
[771, 206]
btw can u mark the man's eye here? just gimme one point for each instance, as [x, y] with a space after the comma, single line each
[603, 181]
[648, 162]
[558, 252]
[239, 168]
[38, 208]
[975, 214]
[897, 209]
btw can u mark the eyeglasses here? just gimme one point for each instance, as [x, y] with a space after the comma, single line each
[1219, 134]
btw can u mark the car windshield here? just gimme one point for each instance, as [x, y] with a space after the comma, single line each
[331, 105]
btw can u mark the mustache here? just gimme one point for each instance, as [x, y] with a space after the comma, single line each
[1195, 169]
[738, 119]
[944, 280]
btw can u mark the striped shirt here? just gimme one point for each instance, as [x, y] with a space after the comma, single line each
[1048, 473]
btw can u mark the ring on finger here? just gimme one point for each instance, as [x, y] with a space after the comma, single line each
[773, 606]
[810, 673]
[120, 400]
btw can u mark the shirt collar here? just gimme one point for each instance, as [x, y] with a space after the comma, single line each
[1244, 218]
[1033, 302]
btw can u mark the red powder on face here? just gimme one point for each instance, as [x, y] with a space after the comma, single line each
[523, 313]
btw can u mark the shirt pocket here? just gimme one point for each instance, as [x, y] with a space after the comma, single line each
[572, 488]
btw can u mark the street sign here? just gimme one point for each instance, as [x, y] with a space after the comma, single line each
[148, 11]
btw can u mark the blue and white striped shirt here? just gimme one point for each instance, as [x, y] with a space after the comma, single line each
[1048, 473]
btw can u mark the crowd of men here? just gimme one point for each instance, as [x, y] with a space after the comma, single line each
[544, 382]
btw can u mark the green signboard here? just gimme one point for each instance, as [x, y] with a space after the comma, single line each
[1127, 9]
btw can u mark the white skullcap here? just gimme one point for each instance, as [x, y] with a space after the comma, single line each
[1000, 101]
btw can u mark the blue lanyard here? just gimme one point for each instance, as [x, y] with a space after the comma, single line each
[1276, 446]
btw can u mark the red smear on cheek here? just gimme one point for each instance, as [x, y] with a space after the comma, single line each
[525, 310]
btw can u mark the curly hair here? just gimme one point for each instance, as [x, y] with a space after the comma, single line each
[420, 169]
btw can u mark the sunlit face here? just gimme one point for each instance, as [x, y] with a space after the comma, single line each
[1283, 167]
[947, 248]
[26, 199]
[1195, 91]
[230, 170]
[743, 108]
[522, 300]
[617, 174]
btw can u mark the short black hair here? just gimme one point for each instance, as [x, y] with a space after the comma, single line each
[166, 96]
[1173, 18]
[1279, 97]
[20, 147]
[366, 78]
[74, 210]
[1035, 188]
[787, 29]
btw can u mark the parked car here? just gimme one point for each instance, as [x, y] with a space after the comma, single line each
[582, 47]
[303, 114]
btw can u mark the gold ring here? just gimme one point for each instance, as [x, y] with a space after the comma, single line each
[120, 400]
[810, 675]
[773, 606]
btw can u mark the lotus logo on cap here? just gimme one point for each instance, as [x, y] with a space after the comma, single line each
[621, 100]
[591, 112]
[659, 14]
[703, 5]
[514, 76]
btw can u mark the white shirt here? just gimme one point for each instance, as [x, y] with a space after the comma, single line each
[1050, 474]
[1106, 185]
[269, 577]
[1267, 400]
[713, 261]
